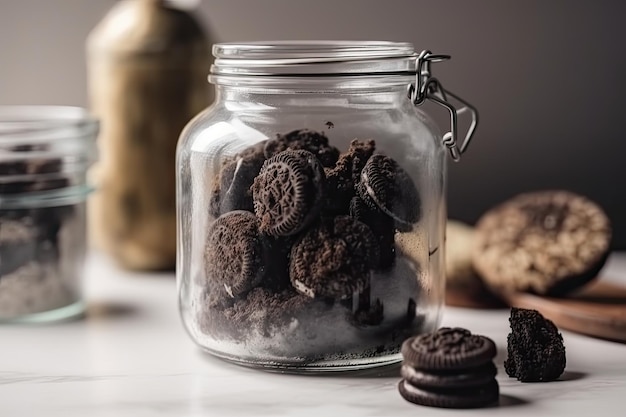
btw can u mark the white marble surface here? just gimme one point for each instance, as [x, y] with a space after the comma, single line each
[131, 357]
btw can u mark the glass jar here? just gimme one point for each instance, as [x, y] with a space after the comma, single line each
[44, 154]
[311, 205]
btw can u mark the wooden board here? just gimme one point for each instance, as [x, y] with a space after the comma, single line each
[477, 298]
[599, 310]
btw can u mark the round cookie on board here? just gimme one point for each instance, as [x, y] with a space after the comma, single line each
[546, 242]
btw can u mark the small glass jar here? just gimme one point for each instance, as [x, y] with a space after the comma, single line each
[311, 205]
[44, 155]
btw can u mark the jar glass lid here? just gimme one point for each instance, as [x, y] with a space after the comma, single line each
[314, 58]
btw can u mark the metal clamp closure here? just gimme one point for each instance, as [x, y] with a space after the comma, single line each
[428, 87]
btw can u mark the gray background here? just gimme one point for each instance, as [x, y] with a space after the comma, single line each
[547, 76]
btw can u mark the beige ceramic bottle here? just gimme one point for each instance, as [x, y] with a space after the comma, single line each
[147, 68]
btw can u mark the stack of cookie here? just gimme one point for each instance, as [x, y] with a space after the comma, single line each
[450, 368]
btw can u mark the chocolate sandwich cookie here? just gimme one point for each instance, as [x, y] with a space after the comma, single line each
[471, 377]
[382, 226]
[333, 259]
[234, 254]
[288, 192]
[448, 349]
[304, 139]
[385, 185]
[343, 177]
[548, 242]
[535, 348]
[449, 368]
[474, 397]
[233, 187]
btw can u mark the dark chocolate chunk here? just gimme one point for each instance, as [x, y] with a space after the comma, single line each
[388, 187]
[536, 352]
[288, 192]
[334, 258]
[447, 349]
[304, 139]
[234, 252]
[474, 397]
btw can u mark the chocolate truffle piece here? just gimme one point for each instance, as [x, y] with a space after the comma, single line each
[334, 258]
[304, 139]
[234, 254]
[547, 242]
[535, 348]
[388, 187]
[288, 192]
[448, 349]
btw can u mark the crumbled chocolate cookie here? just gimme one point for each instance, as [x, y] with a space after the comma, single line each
[306, 268]
[535, 348]
[304, 139]
[334, 258]
[342, 178]
[265, 311]
[382, 226]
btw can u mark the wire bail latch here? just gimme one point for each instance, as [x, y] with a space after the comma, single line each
[428, 87]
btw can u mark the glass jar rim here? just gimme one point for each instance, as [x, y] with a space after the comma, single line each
[22, 125]
[313, 58]
[40, 144]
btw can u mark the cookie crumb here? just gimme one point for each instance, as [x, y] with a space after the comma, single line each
[536, 352]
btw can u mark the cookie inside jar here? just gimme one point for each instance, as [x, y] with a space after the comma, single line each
[311, 253]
